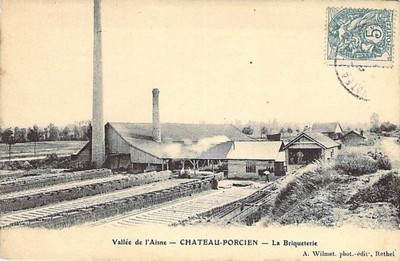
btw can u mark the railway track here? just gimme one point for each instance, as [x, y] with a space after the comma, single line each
[238, 211]
[24, 216]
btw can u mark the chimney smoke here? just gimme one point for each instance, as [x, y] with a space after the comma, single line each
[156, 116]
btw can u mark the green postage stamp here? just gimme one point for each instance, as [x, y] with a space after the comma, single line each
[360, 37]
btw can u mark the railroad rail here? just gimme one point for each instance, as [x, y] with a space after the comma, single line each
[240, 210]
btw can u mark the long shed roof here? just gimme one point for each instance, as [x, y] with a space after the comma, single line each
[201, 141]
[197, 141]
[255, 150]
[179, 131]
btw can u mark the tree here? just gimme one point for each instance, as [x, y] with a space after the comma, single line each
[282, 130]
[46, 133]
[65, 133]
[53, 132]
[248, 130]
[388, 126]
[34, 135]
[374, 121]
[88, 132]
[20, 135]
[8, 137]
[375, 129]
[264, 131]
[289, 130]
[77, 132]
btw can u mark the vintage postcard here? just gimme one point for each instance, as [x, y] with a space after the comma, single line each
[199, 130]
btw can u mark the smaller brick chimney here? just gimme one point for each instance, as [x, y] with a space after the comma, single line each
[156, 116]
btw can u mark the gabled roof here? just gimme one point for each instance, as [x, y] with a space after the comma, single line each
[318, 138]
[179, 131]
[354, 132]
[333, 127]
[255, 150]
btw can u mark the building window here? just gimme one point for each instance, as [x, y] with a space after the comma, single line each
[250, 167]
[332, 153]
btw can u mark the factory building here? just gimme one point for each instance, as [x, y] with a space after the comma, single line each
[141, 147]
[133, 144]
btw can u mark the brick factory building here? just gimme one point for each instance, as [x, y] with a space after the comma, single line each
[181, 145]
[141, 147]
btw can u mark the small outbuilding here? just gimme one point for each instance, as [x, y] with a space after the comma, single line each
[251, 159]
[353, 138]
[308, 147]
[331, 129]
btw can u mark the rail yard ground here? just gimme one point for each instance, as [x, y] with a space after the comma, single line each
[317, 194]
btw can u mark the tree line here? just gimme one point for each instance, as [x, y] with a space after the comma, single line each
[263, 129]
[77, 131]
[378, 127]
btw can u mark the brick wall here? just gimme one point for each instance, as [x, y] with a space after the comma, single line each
[237, 169]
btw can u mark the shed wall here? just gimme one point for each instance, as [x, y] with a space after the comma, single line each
[138, 156]
[83, 158]
[237, 169]
[352, 139]
[115, 144]
[330, 154]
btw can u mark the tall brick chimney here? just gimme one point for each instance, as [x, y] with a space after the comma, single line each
[98, 145]
[156, 116]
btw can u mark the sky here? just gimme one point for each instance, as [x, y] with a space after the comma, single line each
[213, 61]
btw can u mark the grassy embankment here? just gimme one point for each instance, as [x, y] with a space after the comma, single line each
[355, 187]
